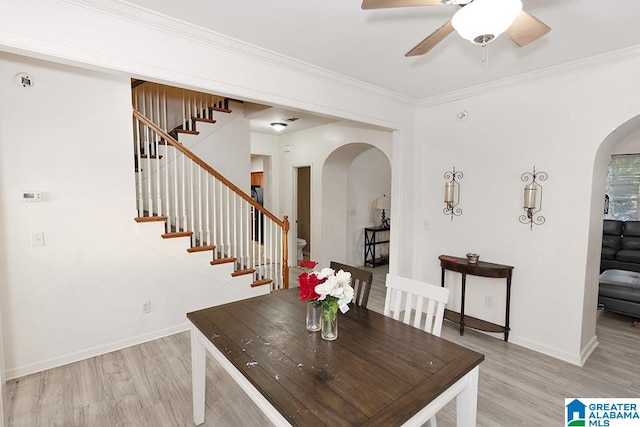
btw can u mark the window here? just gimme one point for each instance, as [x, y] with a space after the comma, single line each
[623, 182]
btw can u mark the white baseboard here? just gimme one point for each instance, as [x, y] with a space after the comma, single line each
[588, 349]
[574, 359]
[94, 351]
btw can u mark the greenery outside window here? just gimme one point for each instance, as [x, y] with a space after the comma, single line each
[623, 183]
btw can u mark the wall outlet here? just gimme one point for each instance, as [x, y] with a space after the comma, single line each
[145, 307]
[488, 301]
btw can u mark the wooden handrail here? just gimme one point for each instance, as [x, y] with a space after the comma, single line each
[212, 171]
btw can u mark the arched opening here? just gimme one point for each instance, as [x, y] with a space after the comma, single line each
[600, 169]
[353, 177]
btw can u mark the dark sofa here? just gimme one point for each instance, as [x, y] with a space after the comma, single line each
[620, 245]
[619, 284]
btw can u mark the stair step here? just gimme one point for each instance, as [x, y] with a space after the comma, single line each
[198, 119]
[261, 282]
[201, 248]
[222, 260]
[150, 218]
[220, 109]
[188, 132]
[153, 156]
[243, 272]
[178, 234]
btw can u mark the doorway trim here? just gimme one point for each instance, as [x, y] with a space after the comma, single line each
[294, 198]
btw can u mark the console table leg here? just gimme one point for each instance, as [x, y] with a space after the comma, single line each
[464, 283]
[508, 304]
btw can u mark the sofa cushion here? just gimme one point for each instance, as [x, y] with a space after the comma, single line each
[613, 227]
[608, 253]
[612, 242]
[619, 284]
[631, 228]
[628, 255]
[630, 242]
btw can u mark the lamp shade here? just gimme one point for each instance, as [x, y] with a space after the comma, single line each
[482, 20]
[383, 202]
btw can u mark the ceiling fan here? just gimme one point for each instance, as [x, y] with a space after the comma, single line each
[479, 21]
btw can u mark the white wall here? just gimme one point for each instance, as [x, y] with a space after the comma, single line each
[630, 145]
[558, 125]
[79, 294]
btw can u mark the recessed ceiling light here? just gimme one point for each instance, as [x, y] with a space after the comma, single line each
[278, 126]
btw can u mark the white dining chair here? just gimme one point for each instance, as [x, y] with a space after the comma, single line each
[414, 299]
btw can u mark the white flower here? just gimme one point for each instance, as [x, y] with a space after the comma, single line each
[325, 272]
[337, 285]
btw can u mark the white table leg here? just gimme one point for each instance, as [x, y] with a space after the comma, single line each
[467, 401]
[198, 375]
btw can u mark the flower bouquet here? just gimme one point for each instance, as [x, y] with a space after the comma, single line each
[326, 291]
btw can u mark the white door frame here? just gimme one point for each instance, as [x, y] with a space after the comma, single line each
[294, 198]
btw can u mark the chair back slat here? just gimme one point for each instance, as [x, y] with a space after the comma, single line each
[361, 281]
[414, 298]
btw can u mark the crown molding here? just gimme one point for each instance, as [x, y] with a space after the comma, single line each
[174, 27]
[580, 65]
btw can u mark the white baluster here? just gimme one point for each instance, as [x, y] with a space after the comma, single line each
[183, 226]
[139, 166]
[207, 210]
[184, 111]
[147, 150]
[200, 209]
[156, 146]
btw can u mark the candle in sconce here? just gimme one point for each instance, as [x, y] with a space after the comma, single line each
[448, 192]
[530, 196]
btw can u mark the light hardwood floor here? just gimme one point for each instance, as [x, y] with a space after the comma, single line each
[150, 384]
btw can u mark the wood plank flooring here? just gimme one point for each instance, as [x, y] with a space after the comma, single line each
[150, 384]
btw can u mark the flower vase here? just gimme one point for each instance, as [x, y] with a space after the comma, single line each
[314, 316]
[329, 327]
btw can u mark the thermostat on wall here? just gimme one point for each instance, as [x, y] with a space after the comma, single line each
[31, 196]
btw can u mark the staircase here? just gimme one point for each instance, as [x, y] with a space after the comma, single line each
[193, 200]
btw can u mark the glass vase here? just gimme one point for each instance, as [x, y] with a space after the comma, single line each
[329, 328]
[314, 316]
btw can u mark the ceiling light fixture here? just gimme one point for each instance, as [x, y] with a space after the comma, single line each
[481, 21]
[278, 126]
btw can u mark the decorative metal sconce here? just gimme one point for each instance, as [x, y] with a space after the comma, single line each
[533, 198]
[452, 193]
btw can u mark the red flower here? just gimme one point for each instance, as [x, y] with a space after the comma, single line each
[307, 283]
[308, 264]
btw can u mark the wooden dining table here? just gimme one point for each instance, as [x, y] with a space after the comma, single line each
[378, 372]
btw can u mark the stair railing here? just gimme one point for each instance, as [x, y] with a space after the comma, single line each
[172, 181]
[170, 107]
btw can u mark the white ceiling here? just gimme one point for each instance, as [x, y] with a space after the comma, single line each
[369, 45]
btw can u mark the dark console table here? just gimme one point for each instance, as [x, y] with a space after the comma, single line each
[484, 269]
[373, 237]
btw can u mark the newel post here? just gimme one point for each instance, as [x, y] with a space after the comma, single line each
[285, 252]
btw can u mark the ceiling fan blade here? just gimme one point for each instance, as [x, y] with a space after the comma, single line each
[433, 39]
[387, 4]
[527, 28]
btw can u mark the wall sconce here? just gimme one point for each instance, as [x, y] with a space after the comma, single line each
[533, 198]
[383, 203]
[452, 193]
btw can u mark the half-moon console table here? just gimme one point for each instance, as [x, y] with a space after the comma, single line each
[484, 269]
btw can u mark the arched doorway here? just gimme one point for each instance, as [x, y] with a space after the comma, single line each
[600, 167]
[353, 177]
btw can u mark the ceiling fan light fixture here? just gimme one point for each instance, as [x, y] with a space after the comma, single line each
[481, 21]
[278, 126]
